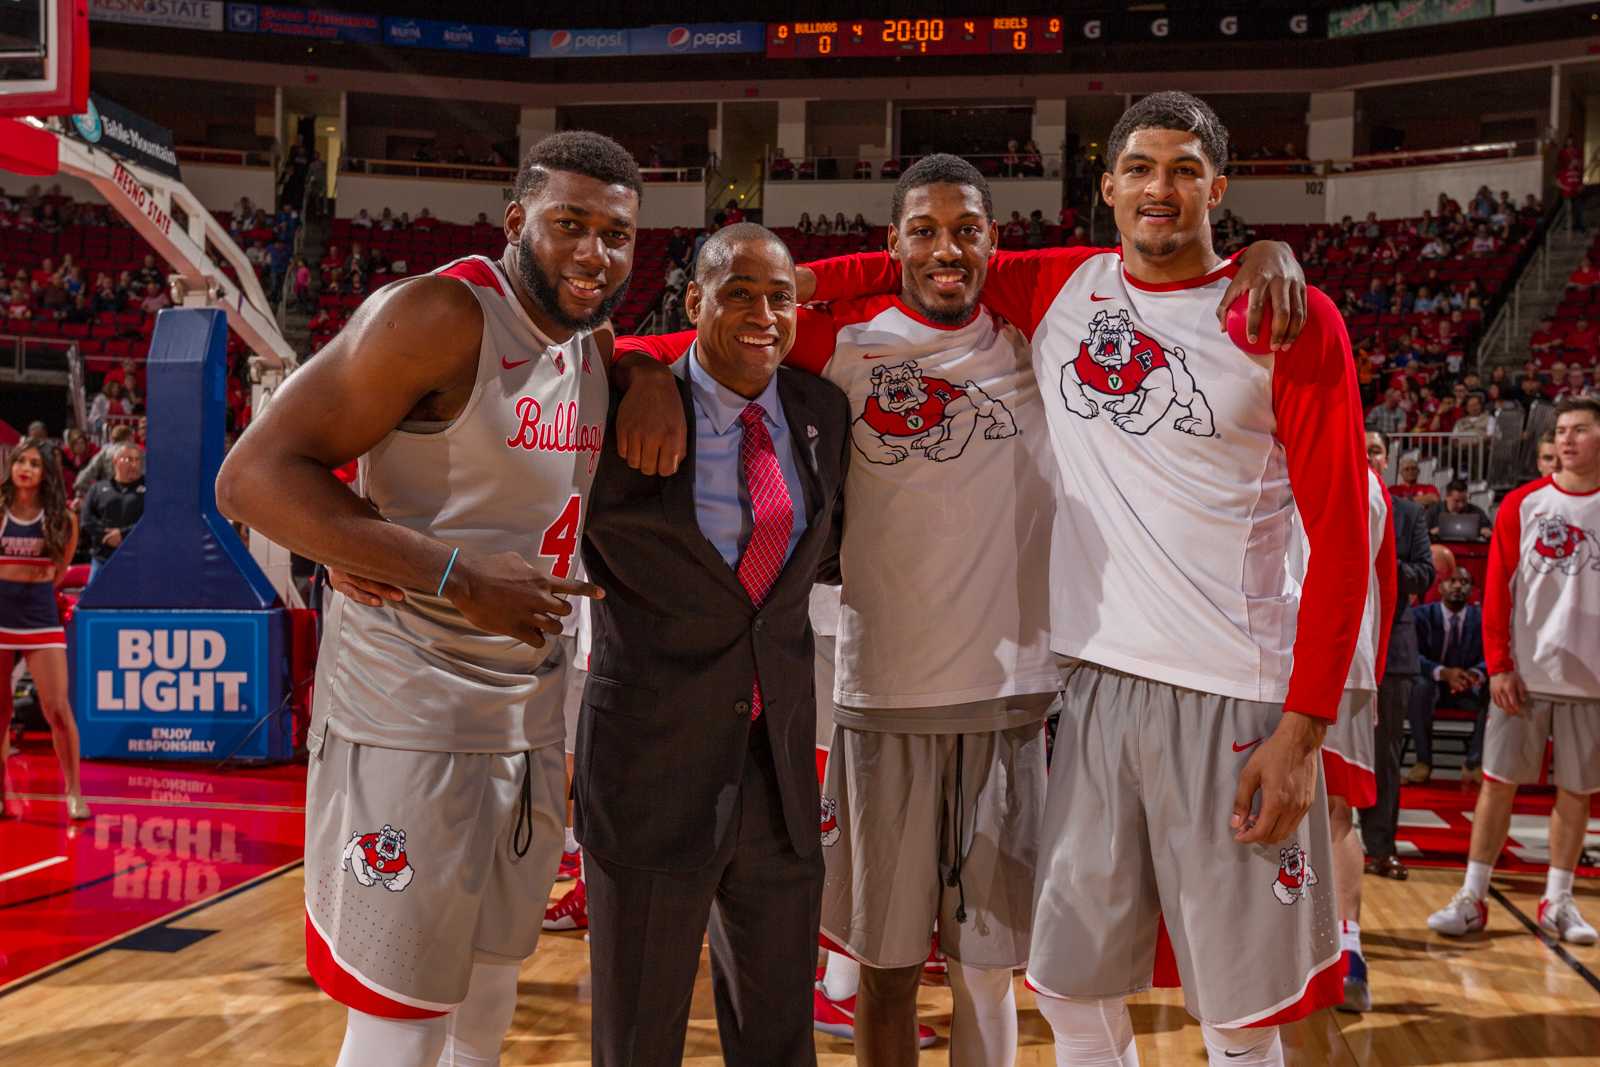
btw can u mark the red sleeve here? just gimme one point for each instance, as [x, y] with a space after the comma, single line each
[814, 338]
[845, 277]
[1022, 285]
[661, 347]
[1388, 587]
[1505, 548]
[1318, 409]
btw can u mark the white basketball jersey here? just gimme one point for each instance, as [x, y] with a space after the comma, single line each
[1364, 664]
[510, 473]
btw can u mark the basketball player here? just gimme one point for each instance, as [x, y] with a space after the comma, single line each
[1349, 749]
[1547, 460]
[941, 724]
[476, 398]
[1540, 603]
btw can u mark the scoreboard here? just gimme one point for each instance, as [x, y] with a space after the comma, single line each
[913, 37]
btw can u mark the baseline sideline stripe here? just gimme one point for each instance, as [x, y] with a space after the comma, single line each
[1549, 942]
[30, 868]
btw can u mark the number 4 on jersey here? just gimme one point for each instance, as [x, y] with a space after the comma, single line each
[560, 540]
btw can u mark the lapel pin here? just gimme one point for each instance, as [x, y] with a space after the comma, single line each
[811, 432]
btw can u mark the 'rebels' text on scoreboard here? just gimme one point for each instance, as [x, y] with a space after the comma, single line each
[913, 37]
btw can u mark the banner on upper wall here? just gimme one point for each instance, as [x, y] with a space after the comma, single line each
[1192, 26]
[319, 24]
[702, 38]
[126, 135]
[172, 14]
[455, 36]
[1388, 15]
[1524, 7]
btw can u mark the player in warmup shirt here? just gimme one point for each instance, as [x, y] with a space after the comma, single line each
[1349, 748]
[1193, 680]
[937, 720]
[476, 398]
[1541, 599]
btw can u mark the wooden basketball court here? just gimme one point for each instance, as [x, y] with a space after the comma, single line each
[238, 993]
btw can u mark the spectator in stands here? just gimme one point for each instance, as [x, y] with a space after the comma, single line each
[1570, 179]
[1454, 674]
[105, 299]
[1015, 229]
[679, 243]
[1435, 248]
[357, 260]
[839, 224]
[1032, 165]
[782, 169]
[1036, 232]
[805, 225]
[155, 298]
[75, 454]
[858, 225]
[1388, 417]
[824, 226]
[1546, 458]
[1585, 278]
[111, 400]
[79, 311]
[277, 266]
[1485, 243]
[1376, 299]
[386, 221]
[301, 274]
[1482, 205]
[733, 213]
[362, 219]
[100, 467]
[114, 506]
[1456, 503]
[149, 273]
[891, 169]
[1011, 160]
[20, 304]
[1426, 303]
[1476, 421]
[257, 255]
[1573, 386]
[424, 220]
[1547, 341]
[483, 220]
[1411, 487]
[1079, 238]
[1581, 342]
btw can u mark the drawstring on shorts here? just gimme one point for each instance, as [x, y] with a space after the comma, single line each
[954, 879]
[522, 833]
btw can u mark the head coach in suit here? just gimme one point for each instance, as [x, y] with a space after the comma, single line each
[694, 781]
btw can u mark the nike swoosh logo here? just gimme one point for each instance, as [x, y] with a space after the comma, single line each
[1097, 296]
[1235, 1055]
[1247, 746]
[508, 365]
[877, 355]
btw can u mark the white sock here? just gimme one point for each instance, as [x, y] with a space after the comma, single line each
[570, 842]
[1090, 1031]
[1243, 1047]
[842, 978]
[983, 1016]
[1557, 883]
[1350, 936]
[373, 1041]
[1477, 882]
[478, 1026]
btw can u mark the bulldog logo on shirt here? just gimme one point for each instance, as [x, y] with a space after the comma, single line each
[1142, 380]
[379, 859]
[1295, 875]
[909, 411]
[1563, 547]
[830, 820]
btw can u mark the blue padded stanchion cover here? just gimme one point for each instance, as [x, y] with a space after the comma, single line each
[184, 554]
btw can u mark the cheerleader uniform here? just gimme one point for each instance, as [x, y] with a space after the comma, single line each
[28, 618]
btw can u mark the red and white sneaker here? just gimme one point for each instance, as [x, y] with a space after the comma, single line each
[1559, 918]
[571, 912]
[936, 965]
[837, 1018]
[571, 867]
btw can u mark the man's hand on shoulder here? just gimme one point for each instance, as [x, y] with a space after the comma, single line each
[1268, 273]
[652, 432]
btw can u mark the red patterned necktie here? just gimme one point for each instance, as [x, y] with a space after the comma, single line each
[771, 515]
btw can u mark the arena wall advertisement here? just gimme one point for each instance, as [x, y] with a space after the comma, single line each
[173, 14]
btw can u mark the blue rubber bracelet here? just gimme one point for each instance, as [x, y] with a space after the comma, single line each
[447, 568]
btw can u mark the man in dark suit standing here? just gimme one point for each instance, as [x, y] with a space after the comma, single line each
[695, 774]
[1454, 673]
[1414, 558]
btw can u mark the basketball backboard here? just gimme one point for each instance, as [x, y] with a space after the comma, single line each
[44, 57]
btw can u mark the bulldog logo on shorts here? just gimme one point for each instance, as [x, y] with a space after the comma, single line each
[379, 859]
[830, 820]
[1295, 875]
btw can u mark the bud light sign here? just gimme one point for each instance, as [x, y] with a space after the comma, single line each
[181, 685]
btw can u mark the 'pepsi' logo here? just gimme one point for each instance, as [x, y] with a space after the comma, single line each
[678, 37]
[561, 39]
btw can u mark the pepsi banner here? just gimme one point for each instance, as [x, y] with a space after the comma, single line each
[181, 685]
[317, 23]
[455, 36]
[699, 38]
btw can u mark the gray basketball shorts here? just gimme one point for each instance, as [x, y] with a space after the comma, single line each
[897, 811]
[1349, 749]
[566, 655]
[1136, 830]
[419, 862]
[1513, 745]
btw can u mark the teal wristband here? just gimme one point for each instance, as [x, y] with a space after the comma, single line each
[447, 569]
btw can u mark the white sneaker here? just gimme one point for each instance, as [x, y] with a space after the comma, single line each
[1560, 919]
[1465, 914]
[77, 810]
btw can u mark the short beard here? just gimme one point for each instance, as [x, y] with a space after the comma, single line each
[1157, 251]
[546, 292]
[940, 316]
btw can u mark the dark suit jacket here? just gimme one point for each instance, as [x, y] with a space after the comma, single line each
[1414, 558]
[1468, 652]
[665, 724]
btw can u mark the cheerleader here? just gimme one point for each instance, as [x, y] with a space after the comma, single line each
[38, 536]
